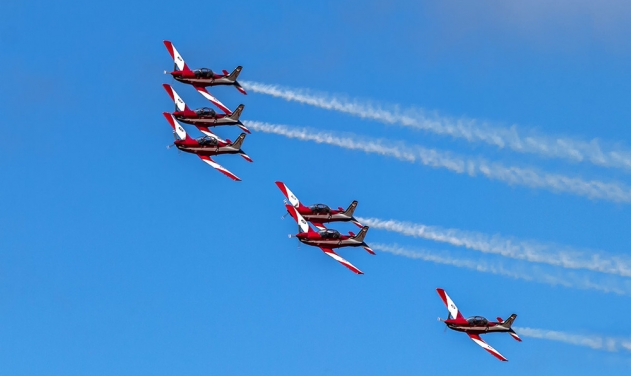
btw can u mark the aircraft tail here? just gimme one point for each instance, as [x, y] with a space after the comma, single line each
[237, 113]
[361, 235]
[177, 58]
[233, 77]
[508, 323]
[235, 117]
[235, 73]
[238, 142]
[237, 145]
[351, 209]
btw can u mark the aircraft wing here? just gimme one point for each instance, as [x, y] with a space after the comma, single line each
[302, 223]
[208, 132]
[451, 306]
[290, 196]
[219, 167]
[476, 338]
[318, 225]
[215, 101]
[338, 258]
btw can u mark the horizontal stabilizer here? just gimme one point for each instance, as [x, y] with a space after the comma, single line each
[369, 250]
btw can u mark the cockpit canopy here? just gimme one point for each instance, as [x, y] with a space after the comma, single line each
[205, 111]
[477, 321]
[207, 141]
[203, 73]
[320, 208]
[329, 234]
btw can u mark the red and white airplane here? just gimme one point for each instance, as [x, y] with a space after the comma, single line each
[327, 239]
[206, 146]
[477, 325]
[201, 78]
[319, 213]
[203, 117]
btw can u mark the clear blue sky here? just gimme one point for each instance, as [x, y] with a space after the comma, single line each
[118, 256]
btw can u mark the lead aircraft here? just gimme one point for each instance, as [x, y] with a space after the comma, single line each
[319, 213]
[476, 325]
[327, 239]
[204, 117]
[203, 77]
[207, 146]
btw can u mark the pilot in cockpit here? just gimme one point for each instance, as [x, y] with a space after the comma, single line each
[477, 321]
[207, 141]
[203, 73]
[205, 111]
[330, 234]
[320, 209]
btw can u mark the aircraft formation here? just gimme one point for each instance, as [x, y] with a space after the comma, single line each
[327, 239]
[210, 144]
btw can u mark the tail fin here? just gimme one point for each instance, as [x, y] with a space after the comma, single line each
[177, 58]
[177, 127]
[235, 115]
[509, 321]
[361, 235]
[351, 209]
[238, 142]
[233, 77]
[179, 103]
[235, 73]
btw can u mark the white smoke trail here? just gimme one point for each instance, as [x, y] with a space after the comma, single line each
[551, 254]
[469, 129]
[532, 274]
[593, 341]
[439, 159]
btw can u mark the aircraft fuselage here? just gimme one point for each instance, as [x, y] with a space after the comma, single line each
[208, 150]
[206, 121]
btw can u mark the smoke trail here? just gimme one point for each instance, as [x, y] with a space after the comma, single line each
[532, 274]
[469, 129]
[439, 159]
[508, 247]
[593, 341]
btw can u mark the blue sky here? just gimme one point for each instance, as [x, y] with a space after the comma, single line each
[118, 256]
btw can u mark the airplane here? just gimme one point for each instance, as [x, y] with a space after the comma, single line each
[476, 325]
[203, 117]
[327, 239]
[319, 213]
[201, 78]
[206, 146]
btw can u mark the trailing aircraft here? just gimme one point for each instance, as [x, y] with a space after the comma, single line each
[204, 117]
[207, 146]
[477, 325]
[203, 77]
[319, 213]
[328, 239]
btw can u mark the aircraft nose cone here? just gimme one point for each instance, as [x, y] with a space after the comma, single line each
[301, 236]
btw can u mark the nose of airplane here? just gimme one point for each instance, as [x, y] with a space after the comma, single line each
[302, 235]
